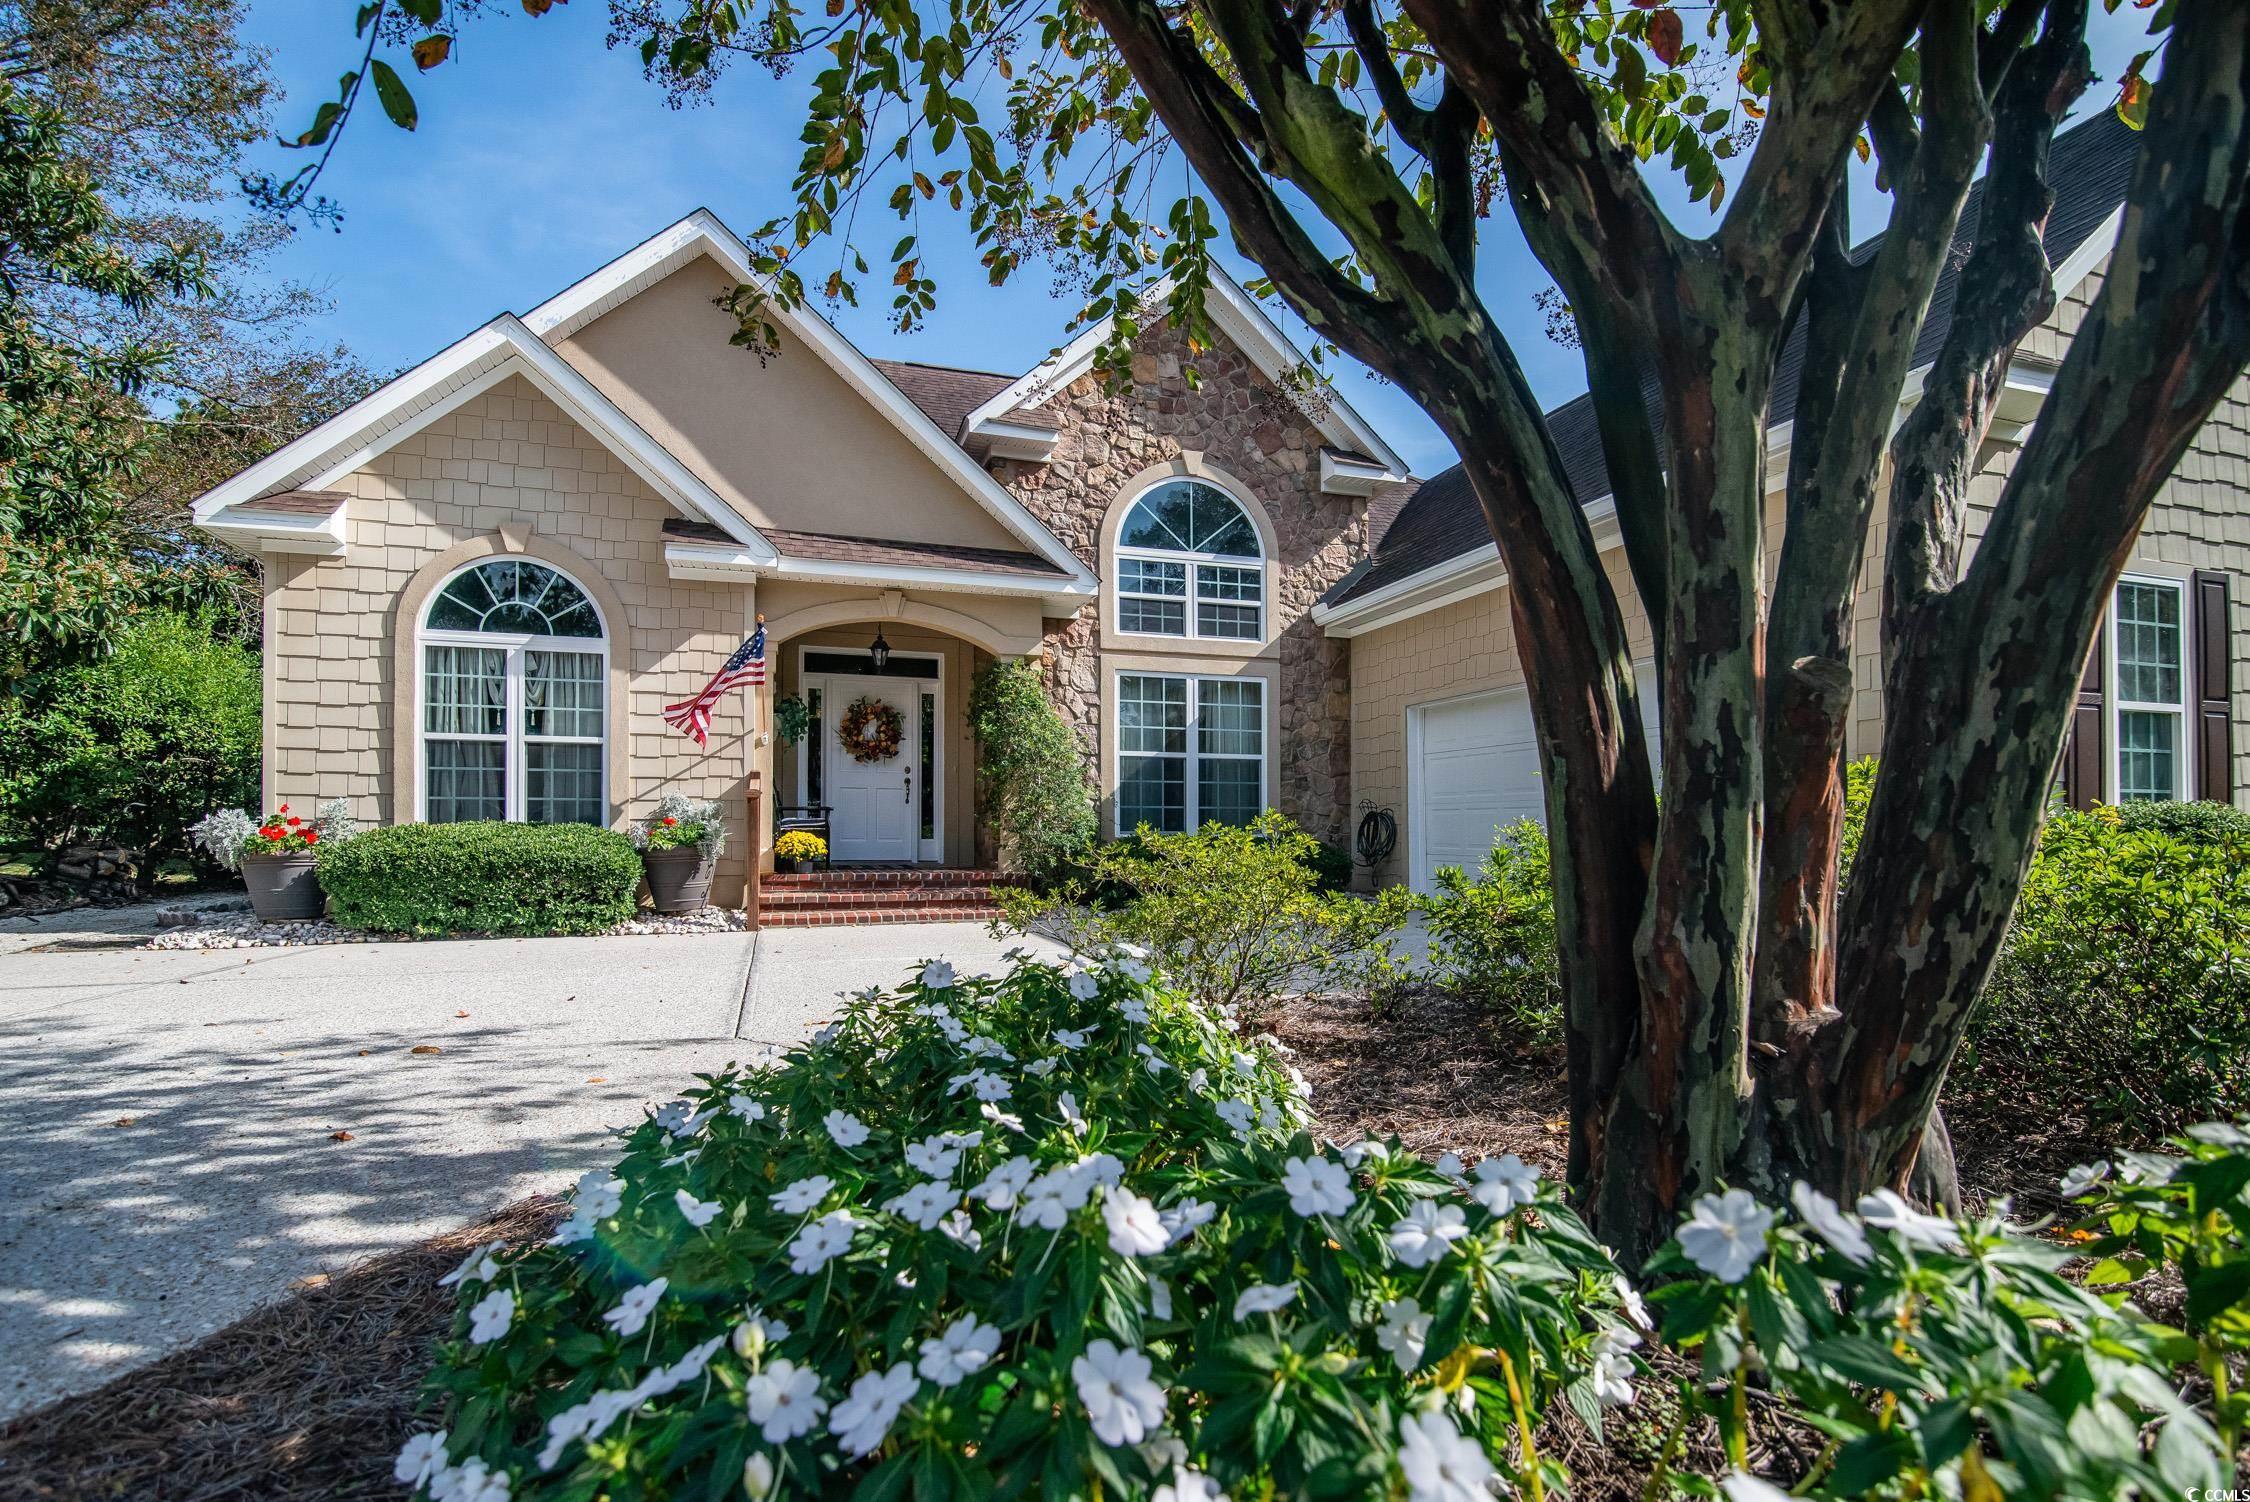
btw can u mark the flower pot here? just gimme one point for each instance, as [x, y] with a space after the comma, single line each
[802, 868]
[283, 888]
[677, 880]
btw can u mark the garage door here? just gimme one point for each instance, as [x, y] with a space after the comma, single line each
[1475, 772]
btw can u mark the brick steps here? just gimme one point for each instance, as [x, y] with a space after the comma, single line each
[821, 899]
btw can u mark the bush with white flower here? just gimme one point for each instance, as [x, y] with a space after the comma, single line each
[1058, 1233]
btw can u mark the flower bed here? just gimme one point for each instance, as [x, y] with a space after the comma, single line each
[1060, 1233]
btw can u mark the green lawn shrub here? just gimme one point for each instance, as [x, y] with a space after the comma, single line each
[2124, 984]
[482, 878]
[2205, 822]
[1492, 935]
[135, 746]
[1031, 772]
[1237, 916]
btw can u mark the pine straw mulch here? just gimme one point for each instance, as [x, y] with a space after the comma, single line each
[308, 1398]
[312, 1396]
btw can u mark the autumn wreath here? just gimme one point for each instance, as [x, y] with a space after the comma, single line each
[871, 730]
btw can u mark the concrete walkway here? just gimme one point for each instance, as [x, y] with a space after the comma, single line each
[170, 1160]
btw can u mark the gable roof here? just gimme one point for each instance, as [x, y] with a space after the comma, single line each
[947, 393]
[703, 234]
[2092, 164]
[1236, 314]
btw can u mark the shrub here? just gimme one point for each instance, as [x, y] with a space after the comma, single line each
[1234, 915]
[1031, 776]
[1492, 936]
[1051, 1234]
[2209, 823]
[2124, 984]
[135, 746]
[487, 878]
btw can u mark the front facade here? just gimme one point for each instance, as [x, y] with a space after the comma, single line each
[485, 582]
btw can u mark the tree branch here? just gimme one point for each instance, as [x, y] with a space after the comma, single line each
[1443, 134]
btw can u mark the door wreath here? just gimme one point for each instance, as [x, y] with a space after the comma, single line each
[871, 730]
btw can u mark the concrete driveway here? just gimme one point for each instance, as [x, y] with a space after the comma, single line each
[171, 1161]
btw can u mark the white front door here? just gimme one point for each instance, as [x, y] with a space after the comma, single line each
[875, 813]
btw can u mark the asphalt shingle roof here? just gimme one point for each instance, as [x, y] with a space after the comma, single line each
[2091, 166]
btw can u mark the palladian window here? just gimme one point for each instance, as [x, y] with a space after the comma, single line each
[514, 671]
[1189, 564]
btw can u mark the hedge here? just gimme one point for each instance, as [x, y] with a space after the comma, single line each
[485, 878]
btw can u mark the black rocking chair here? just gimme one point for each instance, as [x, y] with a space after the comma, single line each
[809, 817]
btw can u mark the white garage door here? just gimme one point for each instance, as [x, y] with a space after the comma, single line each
[1476, 771]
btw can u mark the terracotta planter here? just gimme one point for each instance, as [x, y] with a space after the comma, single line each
[283, 888]
[677, 880]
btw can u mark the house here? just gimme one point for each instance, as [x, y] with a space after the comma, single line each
[486, 580]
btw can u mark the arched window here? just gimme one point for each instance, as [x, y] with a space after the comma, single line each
[1189, 564]
[514, 667]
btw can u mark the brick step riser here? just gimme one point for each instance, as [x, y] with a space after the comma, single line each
[857, 917]
[864, 880]
[772, 902]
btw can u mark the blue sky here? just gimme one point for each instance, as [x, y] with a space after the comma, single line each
[542, 154]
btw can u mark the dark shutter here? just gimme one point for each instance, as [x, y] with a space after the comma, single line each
[2211, 655]
[2083, 752]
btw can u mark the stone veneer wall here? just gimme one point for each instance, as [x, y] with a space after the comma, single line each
[509, 460]
[1241, 423]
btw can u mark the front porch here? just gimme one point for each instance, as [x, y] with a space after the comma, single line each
[856, 896]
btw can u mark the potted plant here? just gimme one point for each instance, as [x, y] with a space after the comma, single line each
[680, 844]
[798, 849]
[277, 856]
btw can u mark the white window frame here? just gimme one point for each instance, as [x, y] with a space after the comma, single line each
[515, 763]
[1192, 757]
[2116, 706]
[1193, 564]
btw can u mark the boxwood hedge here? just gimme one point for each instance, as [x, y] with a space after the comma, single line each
[490, 878]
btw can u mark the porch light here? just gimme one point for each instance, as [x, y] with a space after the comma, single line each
[879, 654]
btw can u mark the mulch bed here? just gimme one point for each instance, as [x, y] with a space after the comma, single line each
[311, 1397]
[308, 1398]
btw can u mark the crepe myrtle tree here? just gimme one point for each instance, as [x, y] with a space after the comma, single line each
[1737, 1013]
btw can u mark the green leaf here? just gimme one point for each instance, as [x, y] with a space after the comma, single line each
[398, 103]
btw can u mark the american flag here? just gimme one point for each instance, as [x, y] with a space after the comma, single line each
[747, 665]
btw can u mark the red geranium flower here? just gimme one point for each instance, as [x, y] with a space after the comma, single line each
[669, 821]
[293, 821]
[312, 836]
[285, 808]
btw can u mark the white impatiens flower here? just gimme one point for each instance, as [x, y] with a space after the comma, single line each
[422, 1457]
[757, 1328]
[1238, 1115]
[967, 1344]
[1427, 1232]
[1004, 1185]
[1132, 967]
[821, 1242]
[1188, 1217]
[1405, 1332]
[1317, 1186]
[1121, 1402]
[1630, 1297]
[962, 1229]
[1725, 1234]
[1133, 1010]
[480, 1266]
[1075, 1038]
[1083, 986]
[758, 1476]
[1160, 1298]
[1355, 1153]
[845, 1129]
[1441, 1463]
[1741, 1486]
[1040, 1068]
[955, 1030]
[699, 1213]
[1829, 1222]
[1151, 1060]
[935, 1157]
[981, 1047]
[679, 1118]
[633, 1310]
[937, 975]
[802, 1195]
[784, 1401]
[1000, 1118]
[1886, 1211]
[1613, 1367]
[599, 1195]
[1449, 1165]
[1067, 1105]
[471, 1481]
[1264, 1298]
[491, 1315]
[925, 1204]
[1135, 1229]
[862, 1420]
[1188, 1486]
[1504, 1183]
[2084, 1178]
[2218, 1134]
[747, 1108]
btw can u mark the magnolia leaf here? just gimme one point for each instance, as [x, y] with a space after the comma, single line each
[398, 103]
